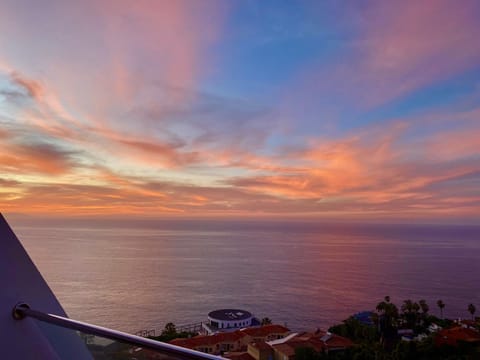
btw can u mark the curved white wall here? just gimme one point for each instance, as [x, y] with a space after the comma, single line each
[225, 324]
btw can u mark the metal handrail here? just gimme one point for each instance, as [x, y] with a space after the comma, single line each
[22, 310]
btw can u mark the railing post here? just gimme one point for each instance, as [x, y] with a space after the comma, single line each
[17, 312]
[22, 310]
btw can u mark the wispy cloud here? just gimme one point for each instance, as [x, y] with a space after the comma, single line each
[121, 114]
[397, 50]
[411, 44]
[376, 171]
[32, 88]
[18, 157]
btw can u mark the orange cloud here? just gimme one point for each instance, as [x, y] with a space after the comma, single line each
[376, 171]
[148, 123]
[33, 88]
[35, 158]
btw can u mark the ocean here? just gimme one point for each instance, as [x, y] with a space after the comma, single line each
[139, 276]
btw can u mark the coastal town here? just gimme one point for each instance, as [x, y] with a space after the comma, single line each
[389, 332]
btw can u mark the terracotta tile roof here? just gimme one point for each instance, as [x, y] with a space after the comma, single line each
[285, 349]
[313, 343]
[333, 340]
[238, 356]
[338, 342]
[457, 334]
[265, 330]
[261, 345]
[289, 347]
[208, 340]
[470, 323]
[318, 341]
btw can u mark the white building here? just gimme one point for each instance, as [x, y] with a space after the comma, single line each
[228, 320]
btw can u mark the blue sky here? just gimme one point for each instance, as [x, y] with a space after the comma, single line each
[314, 109]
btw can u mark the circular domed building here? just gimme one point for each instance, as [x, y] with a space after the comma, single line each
[229, 319]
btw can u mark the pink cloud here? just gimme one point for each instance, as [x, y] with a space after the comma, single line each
[33, 88]
[34, 158]
[172, 38]
[454, 144]
[88, 99]
[410, 44]
[376, 170]
[106, 57]
[398, 48]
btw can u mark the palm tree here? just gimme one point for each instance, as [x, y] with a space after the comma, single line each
[410, 312]
[471, 310]
[424, 306]
[388, 311]
[441, 305]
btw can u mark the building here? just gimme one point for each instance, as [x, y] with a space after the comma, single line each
[233, 341]
[228, 320]
[319, 341]
[242, 355]
[469, 324]
[285, 348]
[214, 344]
[260, 350]
[266, 333]
[456, 336]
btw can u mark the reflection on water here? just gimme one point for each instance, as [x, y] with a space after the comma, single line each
[299, 274]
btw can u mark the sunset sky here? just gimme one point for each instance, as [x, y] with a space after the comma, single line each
[324, 109]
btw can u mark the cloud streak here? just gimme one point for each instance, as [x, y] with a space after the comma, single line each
[35, 158]
[350, 175]
[399, 49]
[125, 114]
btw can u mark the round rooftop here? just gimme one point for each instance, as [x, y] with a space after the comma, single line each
[230, 314]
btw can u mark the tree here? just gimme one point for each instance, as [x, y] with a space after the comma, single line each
[424, 307]
[306, 353]
[388, 315]
[387, 309]
[266, 321]
[471, 310]
[441, 306]
[356, 331]
[170, 331]
[405, 350]
[410, 312]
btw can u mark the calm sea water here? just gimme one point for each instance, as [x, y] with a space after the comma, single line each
[305, 275]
